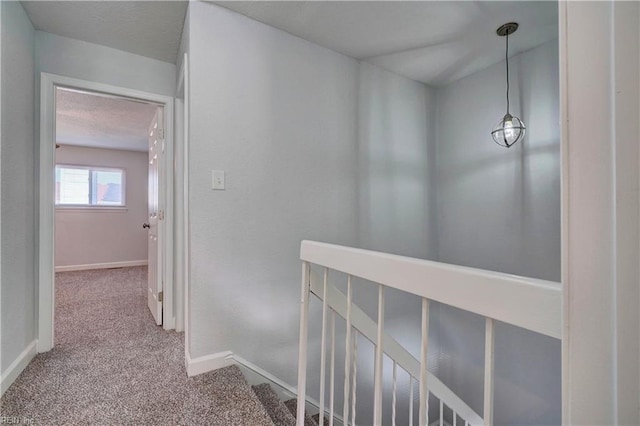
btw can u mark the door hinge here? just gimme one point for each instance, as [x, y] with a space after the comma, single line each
[161, 215]
[161, 133]
[160, 296]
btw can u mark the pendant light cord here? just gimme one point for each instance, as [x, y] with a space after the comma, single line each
[506, 57]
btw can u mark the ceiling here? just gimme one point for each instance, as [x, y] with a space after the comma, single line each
[147, 28]
[435, 42]
[97, 121]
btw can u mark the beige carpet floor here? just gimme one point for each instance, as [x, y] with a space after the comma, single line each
[111, 365]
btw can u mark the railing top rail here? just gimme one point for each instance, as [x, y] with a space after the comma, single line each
[525, 302]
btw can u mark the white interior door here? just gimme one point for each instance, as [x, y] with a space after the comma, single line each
[156, 152]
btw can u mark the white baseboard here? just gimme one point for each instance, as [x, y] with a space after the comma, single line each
[17, 366]
[256, 375]
[69, 268]
[204, 364]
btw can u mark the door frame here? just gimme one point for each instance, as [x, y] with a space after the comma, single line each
[181, 202]
[46, 203]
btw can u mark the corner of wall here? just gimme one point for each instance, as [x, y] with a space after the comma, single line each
[17, 274]
[17, 366]
[206, 363]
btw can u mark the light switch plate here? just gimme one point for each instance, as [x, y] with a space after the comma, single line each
[217, 179]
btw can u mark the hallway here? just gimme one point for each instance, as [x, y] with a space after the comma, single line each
[112, 365]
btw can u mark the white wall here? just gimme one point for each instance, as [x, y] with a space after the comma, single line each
[93, 62]
[278, 114]
[85, 237]
[499, 209]
[18, 174]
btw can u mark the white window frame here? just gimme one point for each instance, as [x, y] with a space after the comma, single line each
[90, 206]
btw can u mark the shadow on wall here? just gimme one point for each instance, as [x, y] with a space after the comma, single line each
[499, 209]
[434, 185]
[395, 159]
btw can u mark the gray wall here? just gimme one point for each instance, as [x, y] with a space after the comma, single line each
[319, 146]
[278, 114]
[499, 209]
[315, 146]
[88, 236]
[18, 188]
[395, 161]
[93, 62]
[25, 54]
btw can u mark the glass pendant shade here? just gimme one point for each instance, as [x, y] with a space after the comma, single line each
[508, 131]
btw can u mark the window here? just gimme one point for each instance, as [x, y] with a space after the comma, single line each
[89, 186]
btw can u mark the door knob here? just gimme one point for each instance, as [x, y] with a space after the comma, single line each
[146, 225]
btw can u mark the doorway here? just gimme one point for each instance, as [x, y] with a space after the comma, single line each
[160, 211]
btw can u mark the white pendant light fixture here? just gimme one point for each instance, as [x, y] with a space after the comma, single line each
[509, 129]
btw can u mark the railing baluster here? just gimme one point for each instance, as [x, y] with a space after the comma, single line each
[489, 343]
[323, 344]
[410, 400]
[424, 390]
[347, 358]
[441, 413]
[355, 375]
[393, 395]
[333, 367]
[377, 395]
[455, 418]
[302, 350]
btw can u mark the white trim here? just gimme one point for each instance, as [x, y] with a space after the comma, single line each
[564, 203]
[168, 314]
[17, 366]
[599, 112]
[109, 265]
[46, 209]
[186, 218]
[178, 216]
[85, 209]
[204, 364]
[526, 302]
[46, 212]
[256, 375]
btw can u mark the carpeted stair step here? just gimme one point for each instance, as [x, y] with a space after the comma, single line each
[292, 405]
[276, 409]
[232, 399]
[316, 418]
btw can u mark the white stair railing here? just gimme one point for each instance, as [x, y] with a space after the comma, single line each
[528, 303]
